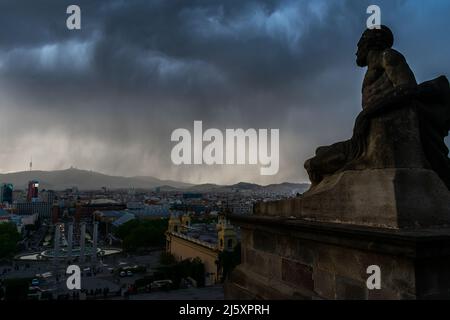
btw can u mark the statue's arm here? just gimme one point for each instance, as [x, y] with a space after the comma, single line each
[397, 70]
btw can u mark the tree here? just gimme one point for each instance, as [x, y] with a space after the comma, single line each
[17, 288]
[31, 227]
[8, 239]
[193, 268]
[2, 293]
[166, 258]
[228, 260]
[197, 271]
[138, 234]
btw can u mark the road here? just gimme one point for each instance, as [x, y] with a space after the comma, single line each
[207, 293]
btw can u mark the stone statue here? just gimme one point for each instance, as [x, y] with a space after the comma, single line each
[389, 93]
[380, 198]
[394, 172]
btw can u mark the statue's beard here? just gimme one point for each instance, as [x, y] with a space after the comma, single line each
[361, 61]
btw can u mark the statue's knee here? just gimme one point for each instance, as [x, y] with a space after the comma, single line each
[321, 150]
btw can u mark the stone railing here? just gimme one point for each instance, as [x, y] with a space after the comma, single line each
[191, 239]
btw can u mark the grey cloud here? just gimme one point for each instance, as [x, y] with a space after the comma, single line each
[110, 95]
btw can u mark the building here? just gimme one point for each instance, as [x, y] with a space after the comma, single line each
[110, 219]
[19, 221]
[86, 210]
[42, 209]
[192, 195]
[153, 211]
[185, 240]
[50, 196]
[126, 217]
[56, 212]
[32, 193]
[6, 193]
[108, 216]
[241, 207]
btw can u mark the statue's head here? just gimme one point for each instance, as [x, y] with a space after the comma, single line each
[373, 39]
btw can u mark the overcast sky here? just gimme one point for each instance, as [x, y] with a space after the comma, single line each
[108, 97]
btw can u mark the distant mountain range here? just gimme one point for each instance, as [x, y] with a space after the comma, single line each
[285, 187]
[91, 180]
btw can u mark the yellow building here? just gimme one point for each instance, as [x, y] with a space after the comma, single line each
[205, 241]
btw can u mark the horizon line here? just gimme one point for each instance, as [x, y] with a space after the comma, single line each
[152, 176]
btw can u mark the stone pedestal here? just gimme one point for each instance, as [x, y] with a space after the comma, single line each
[388, 198]
[391, 184]
[286, 258]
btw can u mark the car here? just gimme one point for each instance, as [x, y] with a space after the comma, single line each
[35, 282]
[129, 273]
[87, 272]
[123, 274]
[161, 284]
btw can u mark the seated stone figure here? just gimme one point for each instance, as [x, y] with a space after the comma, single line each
[389, 85]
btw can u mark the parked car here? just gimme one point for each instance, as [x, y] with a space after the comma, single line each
[87, 272]
[161, 284]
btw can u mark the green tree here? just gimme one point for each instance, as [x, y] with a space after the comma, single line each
[197, 271]
[138, 234]
[193, 268]
[228, 260]
[166, 258]
[17, 288]
[31, 227]
[8, 239]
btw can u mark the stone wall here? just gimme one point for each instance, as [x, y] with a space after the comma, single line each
[185, 249]
[291, 259]
[386, 198]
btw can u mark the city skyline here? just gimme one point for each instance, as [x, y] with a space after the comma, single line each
[107, 97]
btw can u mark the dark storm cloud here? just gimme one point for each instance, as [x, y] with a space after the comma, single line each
[180, 46]
[110, 95]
